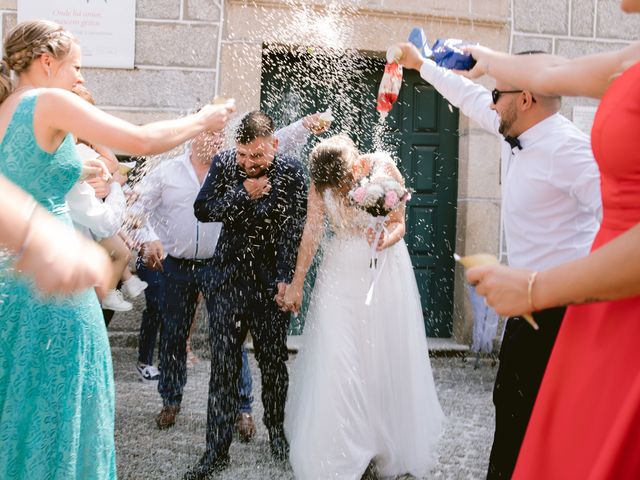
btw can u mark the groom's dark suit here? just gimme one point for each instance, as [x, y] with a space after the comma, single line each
[256, 251]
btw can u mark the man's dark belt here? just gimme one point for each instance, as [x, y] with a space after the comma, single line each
[196, 262]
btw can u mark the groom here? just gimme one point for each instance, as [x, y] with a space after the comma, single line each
[260, 198]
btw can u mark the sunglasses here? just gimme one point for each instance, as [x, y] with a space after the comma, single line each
[495, 94]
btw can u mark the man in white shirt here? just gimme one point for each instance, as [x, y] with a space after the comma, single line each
[166, 196]
[551, 208]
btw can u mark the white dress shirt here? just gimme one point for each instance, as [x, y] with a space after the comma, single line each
[167, 195]
[551, 203]
[292, 138]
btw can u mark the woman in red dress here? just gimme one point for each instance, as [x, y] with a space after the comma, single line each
[586, 421]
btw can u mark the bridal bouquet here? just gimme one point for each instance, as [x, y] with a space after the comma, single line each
[378, 196]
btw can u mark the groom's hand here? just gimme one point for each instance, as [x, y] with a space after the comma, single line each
[279, 298]
[257, 187]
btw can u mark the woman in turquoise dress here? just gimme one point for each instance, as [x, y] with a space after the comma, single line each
[56, 379]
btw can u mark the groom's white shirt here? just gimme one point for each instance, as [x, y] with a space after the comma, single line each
[551, 203]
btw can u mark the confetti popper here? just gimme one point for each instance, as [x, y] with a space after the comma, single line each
[389, 88]
[487, 259]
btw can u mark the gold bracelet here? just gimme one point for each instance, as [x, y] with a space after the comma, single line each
[530, 282]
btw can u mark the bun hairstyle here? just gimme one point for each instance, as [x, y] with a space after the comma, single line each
[27, 42]
[330, 163]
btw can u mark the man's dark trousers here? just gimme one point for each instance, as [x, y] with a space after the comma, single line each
[234, 309]
[184, 280]
[152, 314]
[523, 359]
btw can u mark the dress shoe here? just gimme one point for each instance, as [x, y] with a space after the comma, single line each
[245, 426]
[279, 445]
[206, 466]
[371, 473]
[167, 416]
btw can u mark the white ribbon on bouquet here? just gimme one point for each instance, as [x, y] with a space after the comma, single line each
[378, 259]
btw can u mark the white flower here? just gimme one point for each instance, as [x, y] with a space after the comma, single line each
[374, 192]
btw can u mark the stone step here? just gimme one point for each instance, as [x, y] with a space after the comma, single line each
[438, 347]
[123, 332]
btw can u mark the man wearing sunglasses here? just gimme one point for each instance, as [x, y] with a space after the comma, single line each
[551, 210]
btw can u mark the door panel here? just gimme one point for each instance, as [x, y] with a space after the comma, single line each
[423, 162]
[424, 101]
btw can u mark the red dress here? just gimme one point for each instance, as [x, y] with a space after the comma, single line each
[586, 420]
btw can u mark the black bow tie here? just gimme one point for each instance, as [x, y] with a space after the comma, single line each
[513, 142]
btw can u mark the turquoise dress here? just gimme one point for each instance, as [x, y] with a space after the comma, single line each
[56, 378]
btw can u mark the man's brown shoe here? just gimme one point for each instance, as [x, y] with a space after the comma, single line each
[245, 426]
[167, 416]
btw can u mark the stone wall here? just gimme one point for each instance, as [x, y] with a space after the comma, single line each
[571, 28]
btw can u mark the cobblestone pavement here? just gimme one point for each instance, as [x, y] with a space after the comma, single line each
[144, 452]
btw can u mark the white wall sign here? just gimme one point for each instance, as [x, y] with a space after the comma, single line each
[104, 28]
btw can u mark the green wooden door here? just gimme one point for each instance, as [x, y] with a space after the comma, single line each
[429, 160]
[421, 131]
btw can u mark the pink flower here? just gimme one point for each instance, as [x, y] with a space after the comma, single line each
[391, 199]
[358, 194]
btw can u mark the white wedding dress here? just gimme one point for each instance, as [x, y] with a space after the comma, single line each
[361, 388]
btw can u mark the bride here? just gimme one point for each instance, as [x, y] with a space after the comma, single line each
[362, 401]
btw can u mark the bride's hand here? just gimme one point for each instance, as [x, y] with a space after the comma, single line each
[392, 235]
[292, 299]
[371, 237]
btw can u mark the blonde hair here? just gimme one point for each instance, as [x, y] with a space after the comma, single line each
[330, 163]
[27, 42]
